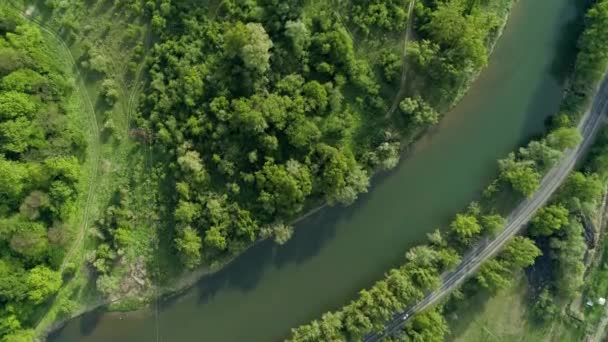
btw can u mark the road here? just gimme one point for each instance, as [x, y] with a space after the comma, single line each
[589, 126]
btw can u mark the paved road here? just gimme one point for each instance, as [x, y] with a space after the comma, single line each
[589, 126]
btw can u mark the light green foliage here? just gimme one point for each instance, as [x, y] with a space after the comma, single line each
[299, 35]
[581, 188]
[544, 308]
[492, 223]
[42, 282]
[563, 138]
[549, 219]
[419, 111]
[521, 175]
[391, 65]
[251, 43]
[541, 153]
[493, 275]
[20, 336]
[107, 284]
[189, 244]
[30, 241]
[384, 15]
[452, 25]
[24, 81]
[465, 226]
[569, 249]
[496, 274]
[39, 170]
[282, 233]
[283, 187]
[592, 58]
[14, 104]
[430, 325]
[520, 252]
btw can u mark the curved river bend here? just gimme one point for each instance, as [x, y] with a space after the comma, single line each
[338, 251]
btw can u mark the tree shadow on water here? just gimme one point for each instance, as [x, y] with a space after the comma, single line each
[245, 271]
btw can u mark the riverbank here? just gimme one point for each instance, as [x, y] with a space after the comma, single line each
[188, 279]
[268, 275]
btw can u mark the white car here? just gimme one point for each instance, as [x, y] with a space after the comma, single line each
[405, 316]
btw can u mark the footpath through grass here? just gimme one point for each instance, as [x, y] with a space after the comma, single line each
[114, 158]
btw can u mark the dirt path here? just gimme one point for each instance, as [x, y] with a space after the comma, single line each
[408, 33]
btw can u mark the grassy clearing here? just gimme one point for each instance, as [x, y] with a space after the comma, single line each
[115, 159]
[506, 317]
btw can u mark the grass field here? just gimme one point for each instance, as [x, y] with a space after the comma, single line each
[114, 158]
[505, 317]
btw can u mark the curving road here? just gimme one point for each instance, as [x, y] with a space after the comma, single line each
[589, 126]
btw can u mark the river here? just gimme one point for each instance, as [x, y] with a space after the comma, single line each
[338, 251]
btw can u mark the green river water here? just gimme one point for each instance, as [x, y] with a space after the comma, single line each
[338, 251]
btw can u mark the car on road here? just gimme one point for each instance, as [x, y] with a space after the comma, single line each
[404, 317]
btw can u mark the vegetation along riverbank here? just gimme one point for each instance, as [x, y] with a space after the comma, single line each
[174, 172]
[519, 173]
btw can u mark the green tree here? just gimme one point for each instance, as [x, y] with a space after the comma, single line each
[465, 226]
[283, 188]
[189, 245]
[419, 111]
[568, 250]
[14, 104]
[544, 308]
[429, 325]
[30, 240]
[299, 35]
[549, 219]
[282, 233]
[251, 43]
[540, 153]
[563, 138]
[521, 175]
[593, 55]
[586, 188]
[214, 238]
[520, 252]
[493, 275]
[24, 335]
[492, 223]
[42, 282]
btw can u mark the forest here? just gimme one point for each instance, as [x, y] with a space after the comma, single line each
[266, 109]
[250, 115]
[41, 150]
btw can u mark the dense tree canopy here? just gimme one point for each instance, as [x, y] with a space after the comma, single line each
[40, 154]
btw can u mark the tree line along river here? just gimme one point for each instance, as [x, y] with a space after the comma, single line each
[338, 251]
